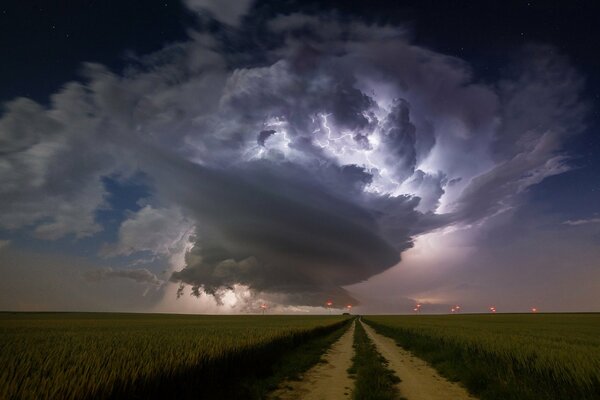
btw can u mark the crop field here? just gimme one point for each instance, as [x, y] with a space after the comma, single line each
[507, 356]
[98, 355]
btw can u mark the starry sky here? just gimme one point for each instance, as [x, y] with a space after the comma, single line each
[215, 156]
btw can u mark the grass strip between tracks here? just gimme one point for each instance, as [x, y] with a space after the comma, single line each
[374, 380]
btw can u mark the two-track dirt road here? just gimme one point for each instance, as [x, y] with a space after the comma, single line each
[330, 380]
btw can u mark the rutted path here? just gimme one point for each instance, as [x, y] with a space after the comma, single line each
[324, 381]
[419, 380]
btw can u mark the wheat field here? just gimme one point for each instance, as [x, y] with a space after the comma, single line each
[507, 356]
[89, 355]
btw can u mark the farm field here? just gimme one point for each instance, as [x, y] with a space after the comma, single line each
[101, 355]
[506, 356]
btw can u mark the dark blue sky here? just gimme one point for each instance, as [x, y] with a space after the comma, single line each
[43, 44]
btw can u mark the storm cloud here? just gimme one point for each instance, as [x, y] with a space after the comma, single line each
[299, 174]
[280, 230]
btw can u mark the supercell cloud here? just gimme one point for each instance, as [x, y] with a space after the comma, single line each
[293, 174]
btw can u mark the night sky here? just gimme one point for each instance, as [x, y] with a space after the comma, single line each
[213, 156]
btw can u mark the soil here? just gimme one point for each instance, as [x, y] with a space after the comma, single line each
[328, 380]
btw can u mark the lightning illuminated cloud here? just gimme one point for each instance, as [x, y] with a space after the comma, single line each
[299, 176]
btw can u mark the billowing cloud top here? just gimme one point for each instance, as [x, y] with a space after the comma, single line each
[301, 171]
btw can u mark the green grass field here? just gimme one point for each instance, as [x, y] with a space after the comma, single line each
[98, 355]
[507, 356]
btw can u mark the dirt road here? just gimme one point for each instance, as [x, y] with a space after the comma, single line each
[419, 380]
[325, 381]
